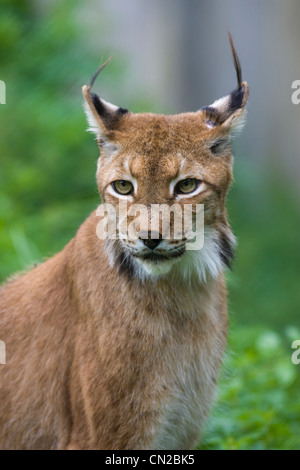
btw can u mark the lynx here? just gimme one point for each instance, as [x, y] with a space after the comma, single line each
[117, 343]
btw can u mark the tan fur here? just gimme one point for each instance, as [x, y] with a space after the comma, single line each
[98, 359]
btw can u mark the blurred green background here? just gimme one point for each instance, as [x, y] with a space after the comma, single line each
[47, 188]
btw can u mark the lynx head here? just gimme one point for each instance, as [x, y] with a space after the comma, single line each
[153, 159]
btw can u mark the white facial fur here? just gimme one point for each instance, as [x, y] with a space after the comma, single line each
[201, 264]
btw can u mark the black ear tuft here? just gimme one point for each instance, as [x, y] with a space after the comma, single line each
[236, 99]
[98, 104]
[103, 117]
[236, 61]
[103, 111]
[224, 108]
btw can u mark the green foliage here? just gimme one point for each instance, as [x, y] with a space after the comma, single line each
[47, 188]
[264, 284]
[258, 405]
[47, 159]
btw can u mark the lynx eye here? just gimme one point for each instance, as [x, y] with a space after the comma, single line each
[123, 187]
[187, 186]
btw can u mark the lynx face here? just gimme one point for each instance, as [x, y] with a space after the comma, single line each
[174, 161]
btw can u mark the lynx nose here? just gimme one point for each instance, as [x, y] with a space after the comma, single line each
[149, 242]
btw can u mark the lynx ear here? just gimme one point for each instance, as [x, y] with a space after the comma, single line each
[103, 118]
[228, 112]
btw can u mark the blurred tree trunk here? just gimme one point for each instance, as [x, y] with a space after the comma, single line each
[179, 55]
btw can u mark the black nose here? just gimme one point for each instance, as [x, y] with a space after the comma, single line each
[149, 242]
